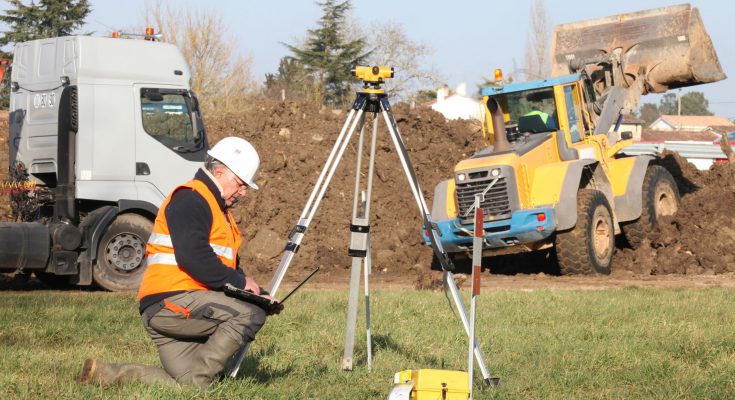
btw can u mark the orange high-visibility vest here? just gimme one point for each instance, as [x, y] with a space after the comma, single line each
[163, 273]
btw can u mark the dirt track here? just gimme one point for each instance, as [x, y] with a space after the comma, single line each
[294, 140]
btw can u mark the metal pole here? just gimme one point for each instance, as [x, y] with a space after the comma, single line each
[352, 298]
[433, 236]
[368, 257]
[360, 251]
[476, 263]
[368, 335]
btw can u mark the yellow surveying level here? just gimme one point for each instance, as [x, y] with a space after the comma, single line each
[374, 74]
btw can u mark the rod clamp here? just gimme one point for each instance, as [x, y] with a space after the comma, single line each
[296, 229]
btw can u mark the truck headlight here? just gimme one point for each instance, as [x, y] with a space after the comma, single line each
[461, 177]
[495, 172]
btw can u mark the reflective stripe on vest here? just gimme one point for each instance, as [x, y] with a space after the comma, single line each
[162, 258]
[165, 240]
[163, 273]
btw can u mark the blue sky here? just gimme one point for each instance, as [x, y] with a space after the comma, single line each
[469, 38]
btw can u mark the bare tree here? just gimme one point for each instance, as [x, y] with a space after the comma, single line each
[392, 47]
[223, 82]
[537, 57]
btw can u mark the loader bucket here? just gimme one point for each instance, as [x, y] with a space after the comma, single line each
[667, 46]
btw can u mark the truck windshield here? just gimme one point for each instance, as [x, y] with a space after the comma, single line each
[167, 118]
[533, 110]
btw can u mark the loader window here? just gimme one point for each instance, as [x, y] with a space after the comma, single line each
[535, 110]
[574, 112]
[167, 117]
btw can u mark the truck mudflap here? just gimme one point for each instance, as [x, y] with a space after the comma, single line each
[523, 227]
[667, 46]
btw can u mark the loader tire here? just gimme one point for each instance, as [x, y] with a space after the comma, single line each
[588, 247]
[121, 253]
[660, 198]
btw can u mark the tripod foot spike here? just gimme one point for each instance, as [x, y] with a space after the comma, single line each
[492, 381]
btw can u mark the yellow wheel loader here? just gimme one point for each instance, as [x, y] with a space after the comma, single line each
[552, 174]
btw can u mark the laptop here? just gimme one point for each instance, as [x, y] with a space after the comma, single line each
[266, 304]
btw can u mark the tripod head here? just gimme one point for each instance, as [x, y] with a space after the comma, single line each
[373, 77]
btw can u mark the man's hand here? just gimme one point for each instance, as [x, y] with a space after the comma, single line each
[252, 286]
[276, 310]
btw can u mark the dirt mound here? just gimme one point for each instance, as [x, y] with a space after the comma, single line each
[294, 140]
[700, 238]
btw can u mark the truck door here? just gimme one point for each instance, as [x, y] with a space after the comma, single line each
[170, 141]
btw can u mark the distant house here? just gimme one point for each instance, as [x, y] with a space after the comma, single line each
[663, 136]
[631, 124]
[691, 123]
[456, 105]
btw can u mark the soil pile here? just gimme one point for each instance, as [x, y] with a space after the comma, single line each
[294, 140]
[700, 238]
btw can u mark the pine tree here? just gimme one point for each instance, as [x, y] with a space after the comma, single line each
[327, 56]
[48, 18]
[292, 79]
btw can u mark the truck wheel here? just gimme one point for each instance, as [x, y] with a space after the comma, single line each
[121, 253]
[588, 247]
[660, 198]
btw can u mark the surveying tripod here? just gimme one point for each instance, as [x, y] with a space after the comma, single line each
[372, 99]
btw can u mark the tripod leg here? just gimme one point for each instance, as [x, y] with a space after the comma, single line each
[352, 314]
[436, 245]
[359, 250]
[357, 257]
[297, 234]
[316, 197]
[368, 336]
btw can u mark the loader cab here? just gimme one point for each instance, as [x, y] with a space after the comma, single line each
[544, 106]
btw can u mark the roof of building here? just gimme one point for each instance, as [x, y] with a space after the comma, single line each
[662, 136]
[632, 119]
[697, 120]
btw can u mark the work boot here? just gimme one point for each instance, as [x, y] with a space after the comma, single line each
[105, 374]
[210, 359]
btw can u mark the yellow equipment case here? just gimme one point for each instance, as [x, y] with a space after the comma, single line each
[436, 384]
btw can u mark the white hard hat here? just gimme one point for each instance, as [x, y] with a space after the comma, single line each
[239, 156]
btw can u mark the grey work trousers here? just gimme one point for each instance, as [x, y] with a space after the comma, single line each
[178, 335]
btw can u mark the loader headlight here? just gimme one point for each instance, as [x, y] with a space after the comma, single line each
[461, 177]
[495, 172]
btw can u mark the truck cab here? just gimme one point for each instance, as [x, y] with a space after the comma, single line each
[104, 129]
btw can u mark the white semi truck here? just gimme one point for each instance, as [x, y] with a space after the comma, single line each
[101, 130]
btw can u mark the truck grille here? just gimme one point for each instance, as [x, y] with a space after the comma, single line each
[496, 205]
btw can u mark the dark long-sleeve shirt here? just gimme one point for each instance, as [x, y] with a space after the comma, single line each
[189, 219]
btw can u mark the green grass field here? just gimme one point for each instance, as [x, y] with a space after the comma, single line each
[619, 344]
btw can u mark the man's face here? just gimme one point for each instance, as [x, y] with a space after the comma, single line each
[232, 186]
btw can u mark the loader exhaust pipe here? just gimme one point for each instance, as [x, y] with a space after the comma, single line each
[496, 115]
